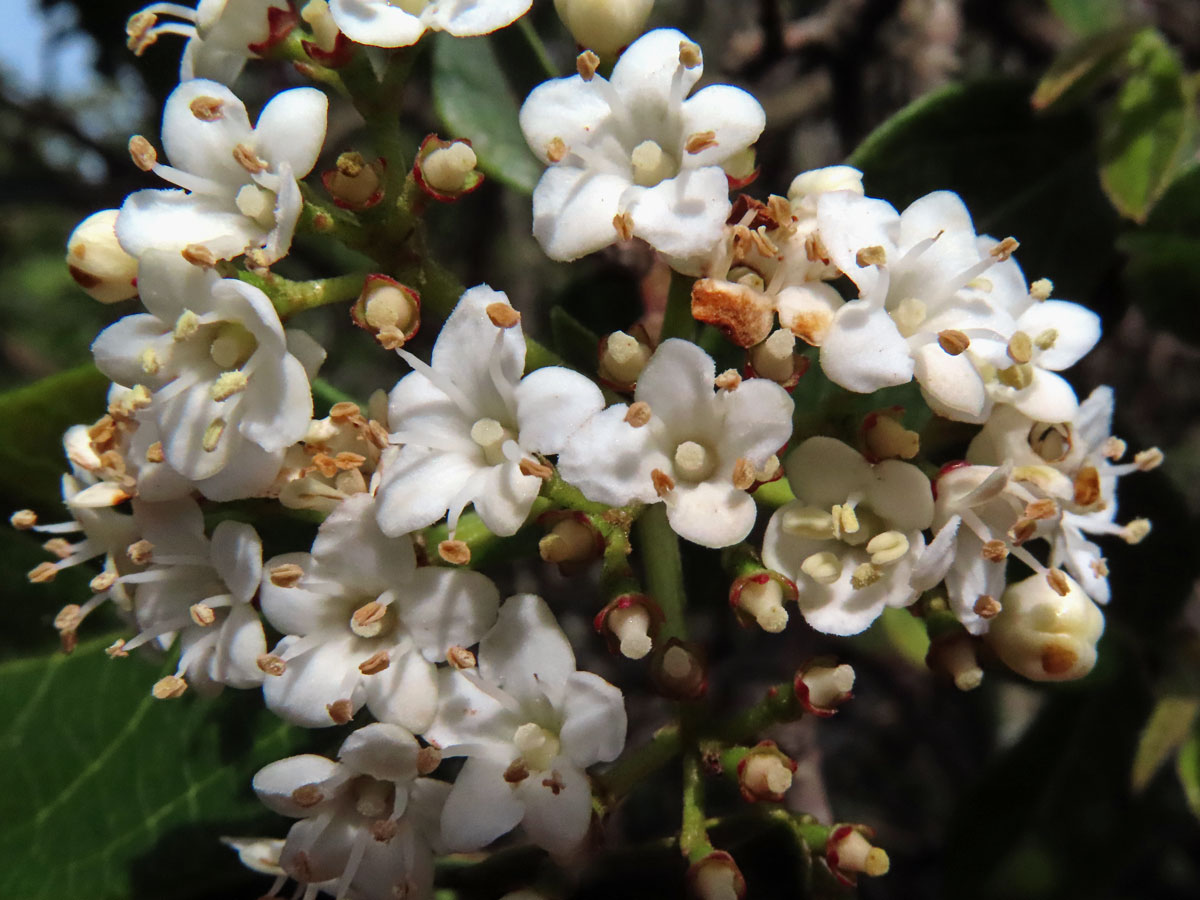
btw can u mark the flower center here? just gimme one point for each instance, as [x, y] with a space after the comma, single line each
[372, 619]
[232, 345]
[538, 747]
[694, 462]
[256, 203]
[373, 799]
[490, 435]
[1052, 442]
[651, 165]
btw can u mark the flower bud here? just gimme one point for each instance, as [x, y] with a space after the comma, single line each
[885, 437]
[605, 26]
[808, 186]
[355, 183]
[849, 853]
[760, 598]
[622, 359]
[629, 624]
[776, 359]
[679, 671]
[765, 773]
[389, 310]
[571, 540]
[954, 654]
[716, 877]
[98, 263]
[445, 170]
[822, 686]
[1045, 636]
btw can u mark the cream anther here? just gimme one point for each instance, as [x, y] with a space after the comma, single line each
[824, 567]
[212, 435]
[774, 357]
[828, 685]
[538, 747]
[1041, 289]
[186, 325]
[228, 384]
[845, 520]
[693, 462]
[490, 436]
[865, 575]
[631, 626]
[887, 547]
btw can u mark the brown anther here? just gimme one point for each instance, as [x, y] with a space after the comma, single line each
[103, 431]
[1113, 448]
[383, 830]
[987, 606]
[532, 467]
[623, 223]
[743, 474]
[1148, 459]
[1022, 531]
[700, 141]
[556, 150]
[42, 573]
[369, 613]
[1020, 348]
[995, 551]
[116, 650]
[689, 54]
[638, 414]
[245, 157]
[286, 575]
[271, 664]
[663, 483]
[1041, 509]
[1099, 567]
[23, 519]
[815, 249]
[142, 152]
[586, 64]
[103, 581]
[207, 109]
[139, 32]
[199, 255]
[502, 315]
[60, 547]
[428, 759]
[871, 256]
[554, 782]
[1057, 659]
[391, 338]
[140, 552]
[460, 658]
[307, 795]
[324, 464]
[729, 380]
[456, 553]
[1003, 250]
[377, 434]
[343, 410]
[953, 342]
[375, 663]
[516, 772]
[763, 244]
[1057, 580]
[168, 688]
[780, 211]
[301, 868]
[202, 614]
[68, 618]
[347, 460]
[341, 711]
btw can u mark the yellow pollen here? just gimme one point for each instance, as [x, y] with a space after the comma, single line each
[212, 435]
[186, 325]
[228, 384]
[865, 575]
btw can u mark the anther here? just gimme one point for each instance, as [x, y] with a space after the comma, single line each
[142, 152]
[864, 576]
[1057, 580]
[460, 658]
[186, 326]
[871, 256]
[341, 711]
[887, 547]
[535, 469]
[116, 650]
[700, 141]
[953, 342]
[586, 64]
[367, 620]
[1148, 459]
[286, 575]
[1020, 348]
[516, 772]
[23, 519]
[140, 552]
[103, 581]
[271, 664]
[689, 54]
[743, 474]
[428, 759]
[623, 223]
[454, 552]
[729, 380]
[1041, 509]
[42, 573]
[207, 109]
[307, 796]
[245, 157]
[986, 606]
[202, 614]
[1041, 289]
[1113, 448]
[168, 688]
[139, 32]
[994, 551]
[1003, 250]
[638, 414]
[228, 384]
[663, 483]
[824, 567]
[60, 547]
[212, 435]
[375, 663]
[556, 150]
[1135, 531]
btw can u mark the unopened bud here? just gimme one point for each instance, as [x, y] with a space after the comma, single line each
[823, 688]
[1045, 635]
[716, 877]
[389, 310]
[622, 358]
[884, 437]
[761, 599]
[849, 853]
[355, 183]
[97, 261]
[447, 169]
[954, 655]
[680, 672]
[808, 186]
[570, 540]
[605, 26]
[631, 627]
[765, 773]
[774, 358]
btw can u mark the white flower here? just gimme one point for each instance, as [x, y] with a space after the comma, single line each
[200, 591]
[367, 823]
[529, 725]
[335, 459]
[681, 443]
[632, 156]
[221, 34]
[604, 26]
[240, 190]
[852, 535]
[470, 423]
[383, 23]
[223, 372]
[363, 625]
[952, 309]
[1045, 635]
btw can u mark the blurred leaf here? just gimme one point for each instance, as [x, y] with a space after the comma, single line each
[34, 419]
[1081, 67]
[1149, 132]
[1020, 173]
[907, 635]
[1169, 726]
[1187, 764]
[1090, 16]
[108, 793]
[573, 341]
[474, 100]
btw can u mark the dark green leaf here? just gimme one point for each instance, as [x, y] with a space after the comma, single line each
[474, 101]
[108, 793]
[1168, 728]
[1082, 67]
[1187, 764]
[573, 341]
[1149, 132]
[1090, 16]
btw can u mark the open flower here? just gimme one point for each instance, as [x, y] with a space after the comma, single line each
[367, 823]
[381, 23]
[240, 193]
[696, 449]
[850, 538]
[363, 625]
[470, 425]
[630, 156]
[222, 370]
[529, 725]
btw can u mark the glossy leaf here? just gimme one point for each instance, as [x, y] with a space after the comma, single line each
[1081, 67]
[474, 100]
[1169, 727]
[1187, 765]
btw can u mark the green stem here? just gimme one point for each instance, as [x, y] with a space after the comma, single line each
[537, 46]
[779, 705]
[486, 547]
[677, 318]
[805, 830]
[290, 297]
[774, 494]
[634, 768]
[658, 546]
[693, 833]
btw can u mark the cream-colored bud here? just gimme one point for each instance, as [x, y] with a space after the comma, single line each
[605, 26]
[808, 186]
[447, 169]
[1046, 636]
[774, 357]
[764, 603]
[631, 626]
[97, 261]
[624, 358]
[828, 686]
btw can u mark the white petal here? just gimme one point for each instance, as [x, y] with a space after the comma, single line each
[444, 608]
[611, 461]
[733, 114]
[823, 471]
[941, 214]
[847, 223]
[170, 220]
[677, 383]
[175, 527]
[901, 494]
[469, 716]
[418, 487]
[405, 693]
[463, 18]
[1093, 422]
[383, 751]
[326, 847]
[351, 548]
[1077, 329]
[302, 346]
[291, 129]
[758, 420]
[168, 284]
[552, 403]
[863, 351]
[505, 497]
[312, 682]
[426, 417]
[573, 111]
[1050, 398]
[117, 349]
[237, 554]
[470, 348]
[573, 211]
[649, 76]
[526, 652]
[205, 146]
[481, 806]
[683, 215]
[241, 643]
[710, 514]
[935, 561]
[558, 808]
[275, 782]
[295, 610]
[183, 422]
[594, 721]
[376, 23]
[252, 476]
[808, 310]
[952, 380]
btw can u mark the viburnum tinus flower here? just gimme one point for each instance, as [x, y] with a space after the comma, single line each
[850, 538]
[240, 193]
[367, 823]
[529, 725]
[363, 625]
[947, 307]
[470, 425]
[382, 23]
[683, 442]
[221, 34]
[1046, 635]
[222, 370]
[631, 157]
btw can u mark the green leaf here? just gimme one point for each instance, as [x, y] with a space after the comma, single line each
[1090, 16]
[1168, 728]
[32, 421]
[1149, 132]
[1187, 765]
[474, 100]
[1081, 67]
[1020, 173]
[107, 793]
[573, 341]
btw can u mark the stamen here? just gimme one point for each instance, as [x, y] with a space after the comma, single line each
[864, 576]
[639, 414]
[824, 567]
[456, 553]
[586, 64]
[207, 109]
[142, 152]
[953, 342]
